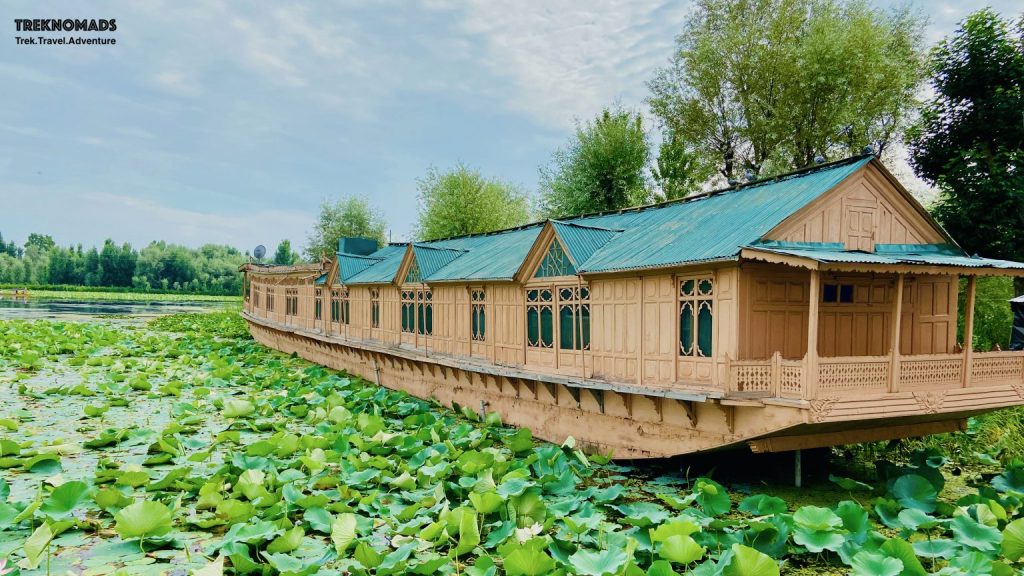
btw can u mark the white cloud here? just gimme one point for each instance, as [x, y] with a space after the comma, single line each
[567, 60]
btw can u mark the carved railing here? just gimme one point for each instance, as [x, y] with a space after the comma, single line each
[773, 377]
[853, 375]
[991, 368]
[931, 372]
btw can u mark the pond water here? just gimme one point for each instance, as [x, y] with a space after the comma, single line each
[84, 310]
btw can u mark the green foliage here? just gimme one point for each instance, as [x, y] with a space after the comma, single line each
[277, 465]
[462, 201]
[768, 85]
[284, 256]
[602, 167]
[993, 319]
[969, 139]
[344, 218]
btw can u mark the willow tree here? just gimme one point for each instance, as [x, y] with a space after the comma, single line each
[771, 84]
[602, 167]
[463, 201]
[348, 217]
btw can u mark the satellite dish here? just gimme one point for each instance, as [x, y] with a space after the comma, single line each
[259, 252]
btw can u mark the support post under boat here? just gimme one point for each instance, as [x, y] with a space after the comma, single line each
[797, 468]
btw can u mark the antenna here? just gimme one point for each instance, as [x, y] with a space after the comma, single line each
[259, 252]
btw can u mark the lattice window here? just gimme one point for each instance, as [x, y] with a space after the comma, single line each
[375, 308]
[478, 300]
[408, 311]
[540, 318]
[335, 305]
[344, 310]
[555, 262]
[255, 296]
[696, 316]
[318, 304]
[414, 276]
[574, 318]
[418, 312]
[270, 299]
[424, 312]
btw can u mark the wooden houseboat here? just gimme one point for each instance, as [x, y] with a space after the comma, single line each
[672, 328]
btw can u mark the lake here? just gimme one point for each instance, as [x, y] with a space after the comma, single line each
[83, 310]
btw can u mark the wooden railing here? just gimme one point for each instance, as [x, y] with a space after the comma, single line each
[841, 376]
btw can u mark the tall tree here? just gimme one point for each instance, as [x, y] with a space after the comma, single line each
[771, 84]
[462, 201]
[348, 217]
[44, 242]
[284, 256]
[970, 142]
[602, 167]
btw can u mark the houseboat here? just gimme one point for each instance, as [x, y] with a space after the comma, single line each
[810, 309]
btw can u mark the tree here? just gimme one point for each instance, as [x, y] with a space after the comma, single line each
[284, 255]
[680, 169]
[462, 201]
[602, 167]
[969, 141]
[771, 84]
[348, 217]
[44, 242]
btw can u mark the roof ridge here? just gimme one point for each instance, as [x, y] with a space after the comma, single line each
[428, 247]
[578, 225]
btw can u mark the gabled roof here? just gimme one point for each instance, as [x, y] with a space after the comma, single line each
[581, 240]
[383, 272]
[431, 258]
[351, 264]
[710, 227]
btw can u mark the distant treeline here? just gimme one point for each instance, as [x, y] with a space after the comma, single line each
[210, 269]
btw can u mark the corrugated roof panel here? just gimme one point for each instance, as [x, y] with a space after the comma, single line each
[491, 257]
[891, 257]
[713, 227]
[351, 264]
[384, 271]
[432, 258]
[581, 241]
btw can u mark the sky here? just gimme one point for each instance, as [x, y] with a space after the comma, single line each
[229, 122]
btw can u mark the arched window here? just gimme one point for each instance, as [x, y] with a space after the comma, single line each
[696, 316]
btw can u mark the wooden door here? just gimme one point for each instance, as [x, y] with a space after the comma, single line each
[859, 222]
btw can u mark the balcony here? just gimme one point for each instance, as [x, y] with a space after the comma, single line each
[838, 377]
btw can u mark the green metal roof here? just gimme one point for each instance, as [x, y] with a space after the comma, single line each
[432, 258]
[916, 254]
[581, 241]
[384, 271]
[713, 226]
[351, 264]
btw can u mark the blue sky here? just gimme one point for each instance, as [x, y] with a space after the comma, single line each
[229, 122]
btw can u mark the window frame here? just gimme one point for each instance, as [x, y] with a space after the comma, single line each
[691, 295]
[478, 314]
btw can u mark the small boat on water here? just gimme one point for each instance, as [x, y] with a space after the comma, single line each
[811, 309]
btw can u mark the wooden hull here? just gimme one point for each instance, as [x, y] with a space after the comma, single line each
[632, 421]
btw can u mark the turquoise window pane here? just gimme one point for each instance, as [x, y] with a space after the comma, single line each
[704, 330]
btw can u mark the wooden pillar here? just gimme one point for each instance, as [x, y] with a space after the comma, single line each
[811, 388]
[640, 331]
[965, 376]
[894, 341]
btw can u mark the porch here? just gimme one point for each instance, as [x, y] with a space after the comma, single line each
[898, 341]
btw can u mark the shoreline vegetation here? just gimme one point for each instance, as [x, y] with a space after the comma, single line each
[184, 445]
[97, 293]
